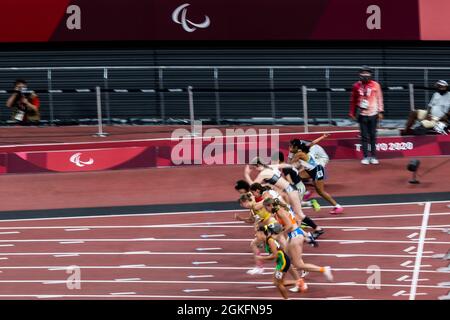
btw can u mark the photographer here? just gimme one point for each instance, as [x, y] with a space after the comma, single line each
[24, 104]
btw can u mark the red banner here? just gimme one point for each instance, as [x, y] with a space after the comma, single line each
[215, 151]
[148, 20]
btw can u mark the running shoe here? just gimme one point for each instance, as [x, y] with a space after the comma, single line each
[365, 161]
[315, 205]
[256, 270]
[337, 210]
[318, 233]
[311, 240]
[294, 289]
[300, 286]
[308, 195]
[327, 273]
[304, 273]
[374, 161]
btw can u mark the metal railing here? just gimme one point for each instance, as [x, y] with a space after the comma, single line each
[166, 80]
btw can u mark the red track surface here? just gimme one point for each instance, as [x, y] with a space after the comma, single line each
[155, 256]
[137, 187]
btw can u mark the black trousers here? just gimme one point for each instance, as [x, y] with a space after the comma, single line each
[368, 127]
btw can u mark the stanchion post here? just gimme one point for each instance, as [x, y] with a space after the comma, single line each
[305, 107]
[272, 96]
[327, 78]
[411, 96]
[50, 96]
[217, 96]
[100, 132]
[191, 110]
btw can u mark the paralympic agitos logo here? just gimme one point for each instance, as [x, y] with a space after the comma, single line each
[179, 16]
[78, 162]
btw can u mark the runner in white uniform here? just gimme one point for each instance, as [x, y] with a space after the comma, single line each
[314, 171]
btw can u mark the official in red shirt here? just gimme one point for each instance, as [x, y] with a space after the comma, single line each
[367, 99]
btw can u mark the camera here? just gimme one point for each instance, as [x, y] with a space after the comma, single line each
[24, 92]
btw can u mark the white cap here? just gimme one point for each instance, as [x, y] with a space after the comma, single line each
[442, 83]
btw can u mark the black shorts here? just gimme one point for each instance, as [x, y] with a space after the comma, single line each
[318, 173]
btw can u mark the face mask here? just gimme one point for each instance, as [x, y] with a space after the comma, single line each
[364, 79]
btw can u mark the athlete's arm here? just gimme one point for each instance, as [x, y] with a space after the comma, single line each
[273, 250]
[326, 135]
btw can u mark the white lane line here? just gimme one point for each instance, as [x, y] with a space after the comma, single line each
[199, 240]
[3, 258]
[204, 262]
[266, 287]
[195, 290]
[406, 263]
[426, 239]
[421, 266]
[418, 280]
[399, 293]
[351, 242]
[208, 249]
[137, 252]
[412, 235]
[425, 252]
[55, 282]
[77, 229]
[142, 266]
[7, 245]
[187, 253]
[48, 296]
[212, 235]
[11, 232]
[192, 276]
[382, 216]
[417, 266]
[212, 225]
[231, 283]
[132, 266]
[402, 278]
[122, 293]
[417, 294]
[128, 279]
[409, 249]
[66, 255]
[339, 298]
[71, 242]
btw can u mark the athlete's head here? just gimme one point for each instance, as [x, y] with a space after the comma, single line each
[294, 144]
[303, 147]
[242, 186]
[257, 189]
[246, 200]
[271, 228]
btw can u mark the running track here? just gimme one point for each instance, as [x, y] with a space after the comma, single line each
[205, 255]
